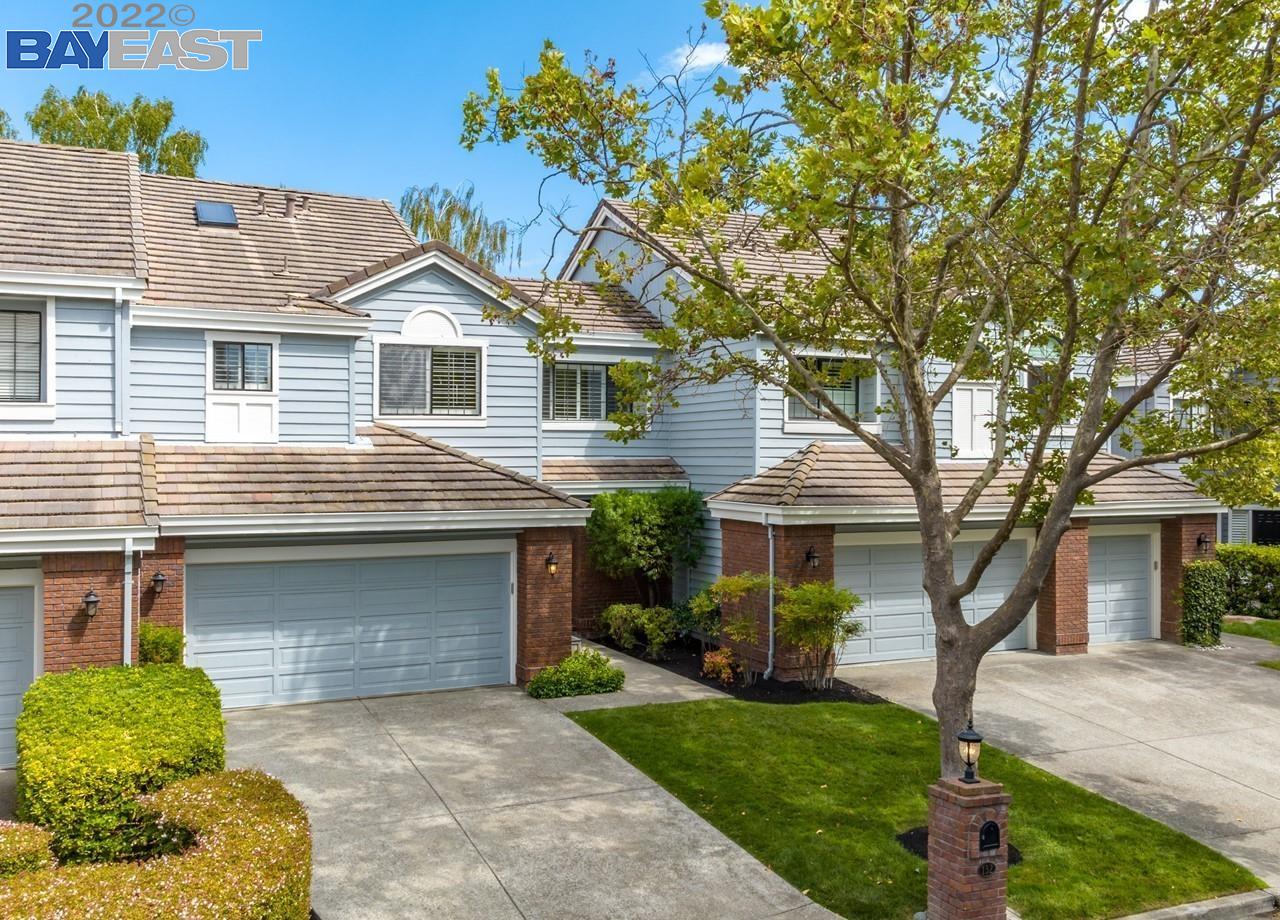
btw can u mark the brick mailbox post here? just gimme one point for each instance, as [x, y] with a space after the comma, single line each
[968, 850]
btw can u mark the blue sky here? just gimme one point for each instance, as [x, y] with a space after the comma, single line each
[365, 98]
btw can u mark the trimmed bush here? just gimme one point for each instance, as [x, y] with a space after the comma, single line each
[1204, 602]
[252, 861]
[814, 618]
[630, 625]
[24, 848]
[160, 644]
[1253, 579]
[91, 741]
[584, 672]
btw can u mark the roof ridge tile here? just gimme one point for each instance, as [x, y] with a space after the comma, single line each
[794, 485]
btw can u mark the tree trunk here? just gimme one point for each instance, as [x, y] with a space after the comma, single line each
[957, 678]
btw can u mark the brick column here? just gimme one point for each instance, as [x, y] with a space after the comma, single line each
[1178, 538]
[544, 602]
[745, 548]
[166, 608]
[593, 591]
[72, 638]
[1062, 610]
[967, 882]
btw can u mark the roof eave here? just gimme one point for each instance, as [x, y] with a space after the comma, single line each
[362, 522]
[726, 509]
[27, 541]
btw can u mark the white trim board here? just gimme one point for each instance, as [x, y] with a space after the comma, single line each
[371, 522]
[906, 514]
[67, 284]
[75, 540]
[322, 551]
[249, 321]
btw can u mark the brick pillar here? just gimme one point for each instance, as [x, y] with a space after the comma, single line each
[965, 881]
[1178, 538]
[745, 548]
[166, 608]
[1062, 610]
[544, 602]
[72, 638]
[594, 591]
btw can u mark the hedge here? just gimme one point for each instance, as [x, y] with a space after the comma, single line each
[24, 848]
[584, 672]
[1204, 602]
[252, 861]
[91, 741]
[160, 644]
[1253, 579]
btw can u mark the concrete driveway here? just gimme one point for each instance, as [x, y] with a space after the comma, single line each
[1189, 737]
[489, 804]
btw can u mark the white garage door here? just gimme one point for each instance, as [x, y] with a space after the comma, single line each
[895, 617]
[1119, 588]
[17, 662]
[295, 631]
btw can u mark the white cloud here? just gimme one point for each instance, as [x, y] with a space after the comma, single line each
[695, 59]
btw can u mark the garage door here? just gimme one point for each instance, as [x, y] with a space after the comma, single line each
[295, 631]
[1119, 588]
[895, 617]
[17, 662]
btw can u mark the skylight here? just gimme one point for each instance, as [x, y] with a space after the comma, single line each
[216, 214]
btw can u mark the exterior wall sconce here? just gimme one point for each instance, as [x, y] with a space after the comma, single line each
[553, 564]
[157, 582]
[811, 556]
[91, 601]
[970, 750]
[1202, 542]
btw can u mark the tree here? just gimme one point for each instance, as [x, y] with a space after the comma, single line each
[453, 217]
[645, 535]
[144, 126]
[1018, 191]
[7, 131]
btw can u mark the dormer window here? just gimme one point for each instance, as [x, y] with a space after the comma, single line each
[242, 396]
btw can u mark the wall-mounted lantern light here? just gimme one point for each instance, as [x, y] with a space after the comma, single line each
[553, 565]
[811, 556]
[1202, 542]
[970, 751]
[157, 582]
[91, 601]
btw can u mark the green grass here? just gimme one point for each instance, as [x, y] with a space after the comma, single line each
[819, 791]
[1261, 629]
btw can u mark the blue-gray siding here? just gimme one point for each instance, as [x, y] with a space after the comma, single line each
[314, 388]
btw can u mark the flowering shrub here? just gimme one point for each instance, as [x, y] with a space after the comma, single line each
[23, 848]
[251, 861]
[720, 664]
[583, 672]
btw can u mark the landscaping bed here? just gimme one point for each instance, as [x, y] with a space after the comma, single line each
[820, 794]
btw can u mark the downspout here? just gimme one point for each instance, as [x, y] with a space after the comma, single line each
[768, 673]
[117, 376]
[127, 601]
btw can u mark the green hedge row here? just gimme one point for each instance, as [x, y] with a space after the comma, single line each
[584, 672]
[1204, 602]
[1253, 579]
[252, 861]
[24, 848]
[91, 741]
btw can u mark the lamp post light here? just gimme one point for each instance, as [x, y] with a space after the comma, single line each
[970, 750]
[553, 565]
[91, 601]
[157, 582]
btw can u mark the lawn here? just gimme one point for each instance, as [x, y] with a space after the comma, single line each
[819, 791]
[1260, 629]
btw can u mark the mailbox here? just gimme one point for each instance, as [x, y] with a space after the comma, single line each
[989, 837]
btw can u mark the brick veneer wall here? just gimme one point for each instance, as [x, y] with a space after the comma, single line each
[166, 608]
[1062, 610]
[1177, 547]
[72, 638]
[544, 602]
[594, 591]
[746, 549]
[957, 890]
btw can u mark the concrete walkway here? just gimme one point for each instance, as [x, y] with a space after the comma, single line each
[646, 683]
[489, 804]
[1189, 737]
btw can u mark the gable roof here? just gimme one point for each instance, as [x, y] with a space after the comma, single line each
[594, 307]
[612, 469]
[70, 210]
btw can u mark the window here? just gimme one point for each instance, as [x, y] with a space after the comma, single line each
[578, 392]
[855, 395]
[242, 366]
[973, 409]
[428, 380]
[21, 355]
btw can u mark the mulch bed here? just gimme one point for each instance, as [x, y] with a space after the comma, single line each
[916, 842]
[685, 659]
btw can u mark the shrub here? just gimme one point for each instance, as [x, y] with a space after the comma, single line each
[91, 741]
[1204, 601]
[252, 861]
[720, 664]
[631, 625]
[1253, 579]
[160, 644]
[813, 617]
[645, 535]
[24, 848]
[584, 672]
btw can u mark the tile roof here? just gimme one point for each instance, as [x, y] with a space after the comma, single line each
[852, 475]
[373, 269]
[1142, 360]
[54, 484]
[70, 210]
[270, 262]
[400, 472]
[611, 469]
[594, 307]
